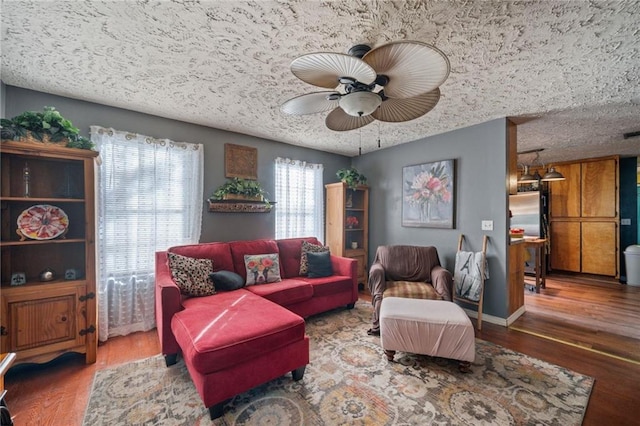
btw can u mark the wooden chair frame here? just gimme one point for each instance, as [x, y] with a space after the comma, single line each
[479, 303]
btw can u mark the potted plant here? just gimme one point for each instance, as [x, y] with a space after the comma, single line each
[240, 189]
[48, 126]
[352, 177]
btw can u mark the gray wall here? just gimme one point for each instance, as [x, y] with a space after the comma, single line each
[480, 194]
[479, 151]
[215, 226]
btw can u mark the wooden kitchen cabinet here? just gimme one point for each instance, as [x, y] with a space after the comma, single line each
[565, 195]
[599, 247]
[516, 276]
[44, 317]
[599, 189]
[584, 217]
[565, 246]
[342, 203]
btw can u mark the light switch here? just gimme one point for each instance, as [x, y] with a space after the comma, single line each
[487, 225]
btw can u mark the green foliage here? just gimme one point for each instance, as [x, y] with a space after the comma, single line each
[352, 177]
[247, 187]
[49, 122]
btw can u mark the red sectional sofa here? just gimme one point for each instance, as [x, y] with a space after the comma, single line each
[233, 341]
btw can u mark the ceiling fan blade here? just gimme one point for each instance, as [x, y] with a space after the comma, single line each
[324, 69]
[413, 68]
[310, 103]
[340, 121]
[396, 110]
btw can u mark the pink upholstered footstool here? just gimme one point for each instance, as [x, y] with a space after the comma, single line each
[428, 327]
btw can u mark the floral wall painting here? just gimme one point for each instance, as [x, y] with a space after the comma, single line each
[428, 195]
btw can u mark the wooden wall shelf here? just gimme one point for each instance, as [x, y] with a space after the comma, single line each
[230, 206]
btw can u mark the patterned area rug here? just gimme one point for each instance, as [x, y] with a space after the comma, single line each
[349, 381]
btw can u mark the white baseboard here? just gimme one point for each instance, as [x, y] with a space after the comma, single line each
[505, 322]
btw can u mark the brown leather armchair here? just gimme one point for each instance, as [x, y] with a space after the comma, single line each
[407, 271]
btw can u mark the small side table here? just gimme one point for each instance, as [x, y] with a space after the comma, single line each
[541, 261]
[6, 360]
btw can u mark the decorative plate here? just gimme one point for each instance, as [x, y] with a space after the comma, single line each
[42, 222]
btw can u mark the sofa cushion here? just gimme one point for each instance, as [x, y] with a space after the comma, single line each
[191, 275]
[219, 253]
[307, 248]
[241, 248]
[410, 290]
[290, 252]
[262, 268]
[319, 264]
[226, 281]
[285, 292]
[327, 286]
[230, 328]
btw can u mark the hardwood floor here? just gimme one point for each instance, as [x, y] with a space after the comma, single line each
[57, 393]
[590, 312]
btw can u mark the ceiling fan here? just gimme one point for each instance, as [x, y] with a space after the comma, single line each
[395, 82]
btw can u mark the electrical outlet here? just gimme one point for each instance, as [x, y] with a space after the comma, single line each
[625, 221]
[487, 225]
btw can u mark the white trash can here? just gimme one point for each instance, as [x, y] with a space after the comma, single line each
[632, 260]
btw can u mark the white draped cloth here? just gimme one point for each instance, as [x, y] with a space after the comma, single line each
[467, 274]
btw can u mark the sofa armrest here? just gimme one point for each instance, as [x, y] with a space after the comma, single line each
[347, 267]
[442, 282]
[168, 303]
[377, 279]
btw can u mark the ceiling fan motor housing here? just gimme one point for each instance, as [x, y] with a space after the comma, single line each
[359, 50]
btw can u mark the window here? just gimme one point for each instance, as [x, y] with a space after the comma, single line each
[300, 198]
[149, 199]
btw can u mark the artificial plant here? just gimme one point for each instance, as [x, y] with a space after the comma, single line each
[49, 123]
[352, 177]
[238, 186]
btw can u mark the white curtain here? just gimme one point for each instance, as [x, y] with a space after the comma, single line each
[300, 199]
[149, 198]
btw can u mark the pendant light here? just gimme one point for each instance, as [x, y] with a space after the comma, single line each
[552, 175]
[527, 177]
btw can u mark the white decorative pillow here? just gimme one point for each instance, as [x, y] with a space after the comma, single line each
[306, 248]
[192, 275]
[262, 268]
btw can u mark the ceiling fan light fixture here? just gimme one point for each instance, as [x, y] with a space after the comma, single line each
[359, 104]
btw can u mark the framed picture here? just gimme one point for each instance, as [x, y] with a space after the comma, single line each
[428, 195]
[240, 161]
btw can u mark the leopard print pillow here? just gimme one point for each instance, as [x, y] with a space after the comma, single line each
[192, 275]
[306, 248]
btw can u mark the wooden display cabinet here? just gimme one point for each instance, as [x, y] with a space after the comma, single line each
[41, 320]
[343, 203]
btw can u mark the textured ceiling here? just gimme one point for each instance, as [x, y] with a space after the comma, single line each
[568, 71]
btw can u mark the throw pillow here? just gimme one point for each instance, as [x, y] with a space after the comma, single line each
[262, 268]
[319, 264]
[309, 248]
[226, 280]
[191, 274]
